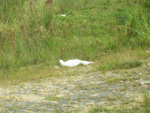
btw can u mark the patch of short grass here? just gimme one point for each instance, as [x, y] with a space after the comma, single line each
[119, 65]
[115, 80]
[99, 110]
[115, 110]
[123, 60]
[53, 98]
[146, 103]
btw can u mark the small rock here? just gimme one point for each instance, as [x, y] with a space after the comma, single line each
[56, 67]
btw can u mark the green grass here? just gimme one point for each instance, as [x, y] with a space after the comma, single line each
[115, 80]
[146, 103]
[53, 98]
[105, 110]
[126, 59]
[100, 109]
[44, 70]
[116, 64]
[32, 33]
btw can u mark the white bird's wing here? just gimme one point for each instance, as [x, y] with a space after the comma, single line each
[72, 63]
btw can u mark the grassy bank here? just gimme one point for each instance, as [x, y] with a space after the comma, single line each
[32, 33]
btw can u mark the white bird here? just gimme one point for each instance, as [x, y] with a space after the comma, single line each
[73, 63]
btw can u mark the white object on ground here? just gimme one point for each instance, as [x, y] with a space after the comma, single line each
[63, 15]
[73, 63]
[147, 83]
[56, 67]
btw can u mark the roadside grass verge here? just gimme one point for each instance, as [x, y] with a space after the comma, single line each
[37, 34]
[41, 71]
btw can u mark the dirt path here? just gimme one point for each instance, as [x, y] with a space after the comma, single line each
[80, 88]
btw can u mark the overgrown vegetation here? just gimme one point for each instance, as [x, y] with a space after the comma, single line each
[32, 33]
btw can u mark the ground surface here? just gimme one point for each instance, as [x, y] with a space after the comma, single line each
[77, 89]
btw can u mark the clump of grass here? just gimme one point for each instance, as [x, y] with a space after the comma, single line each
[115, 110]
[53, 98]
[99, 109]
[47, 16]
[119, 65]
[115, 80]
[124, 60]
[146, 103]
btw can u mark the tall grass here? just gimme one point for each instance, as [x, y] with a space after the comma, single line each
[146, 102]
[32, 32]
[9, 9]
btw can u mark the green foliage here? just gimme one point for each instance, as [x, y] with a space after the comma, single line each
[100, 109]
[9, 9]
[146, 103]
[47, 16]
[32, 32]
[53, 98]
[116, 64]
[145, 4]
